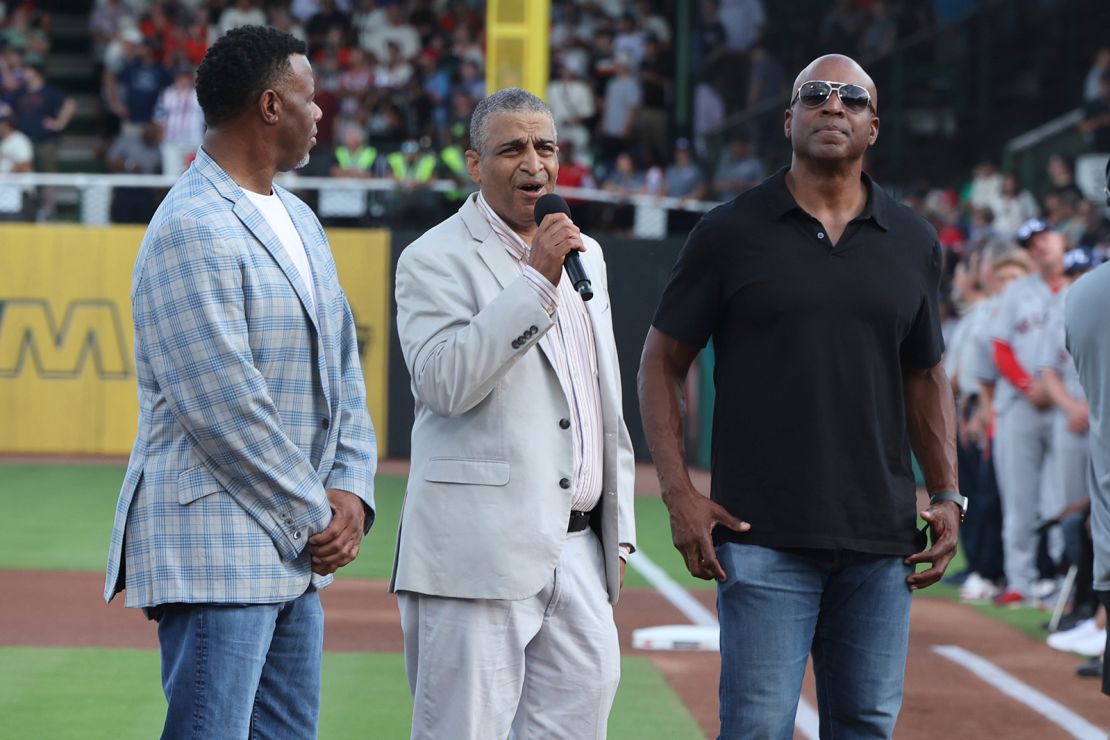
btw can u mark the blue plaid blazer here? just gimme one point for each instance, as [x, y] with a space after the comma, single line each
[249, 406]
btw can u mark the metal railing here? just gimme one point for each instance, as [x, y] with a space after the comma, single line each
[94, 193]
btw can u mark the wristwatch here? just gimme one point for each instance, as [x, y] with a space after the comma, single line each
[953, 496]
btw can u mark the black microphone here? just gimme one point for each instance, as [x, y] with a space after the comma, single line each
[552, 203]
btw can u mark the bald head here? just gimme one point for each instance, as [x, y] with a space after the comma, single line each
[837, 68]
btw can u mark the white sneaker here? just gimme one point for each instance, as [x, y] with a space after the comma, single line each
[1086, 638]
[1045, 589]
[977, 589]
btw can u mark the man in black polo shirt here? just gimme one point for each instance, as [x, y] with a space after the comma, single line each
[820, 295]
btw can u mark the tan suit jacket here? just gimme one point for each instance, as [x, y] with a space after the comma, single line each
[485, 515]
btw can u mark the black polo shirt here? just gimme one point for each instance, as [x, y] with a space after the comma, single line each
[809, 426]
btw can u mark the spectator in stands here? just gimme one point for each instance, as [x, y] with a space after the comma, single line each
[157, 27]
[980, 230]
[767, 82]
[181, 120]
[623, 98]
[328, 103]
[470, 79]
[1096, 228]
[840, 27]
[366, 18]
[709, 43]
[1061, 177]
[452, 166]
[135, 154]
[242, 13]
[652, 117]
[395, 29]
[985, 186]
[574, 173]
[16, 155]
[1095, 125]
[352, 159]
[683, 177]
[11, 74]
[199, 34]
[42, 111]
[743, 21]
[629, 40]
[738, 170]
[140, 83]
[1013, 206]
[106, 21]
[394, 71]
[572, 106]
[879, 33]
[1060, 212]
[709, 113]
[1099, 67]
[327, 19]
[282, 20]
[22, 34]
[623, 180]
[354, 82]
[412, 169]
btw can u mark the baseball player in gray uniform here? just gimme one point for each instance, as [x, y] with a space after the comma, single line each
[1061, 381]
[1024, 427]
[1085, 312]
[1001, 264]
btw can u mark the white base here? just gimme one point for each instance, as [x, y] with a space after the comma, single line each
[677, 637]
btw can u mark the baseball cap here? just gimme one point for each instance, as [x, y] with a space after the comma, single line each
[1031, 228]
[1079, 259]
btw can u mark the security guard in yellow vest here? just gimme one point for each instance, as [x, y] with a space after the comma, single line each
[413, 168]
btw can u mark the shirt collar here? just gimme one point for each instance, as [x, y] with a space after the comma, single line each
[514, 245]
[780, 202]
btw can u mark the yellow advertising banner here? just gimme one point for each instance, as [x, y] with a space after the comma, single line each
[67, 366]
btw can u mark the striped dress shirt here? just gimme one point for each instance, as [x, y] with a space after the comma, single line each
[575, 359]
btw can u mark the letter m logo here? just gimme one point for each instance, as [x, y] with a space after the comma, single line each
[32, 336]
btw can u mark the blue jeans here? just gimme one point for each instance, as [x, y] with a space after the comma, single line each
[235, 672]
[850, 609]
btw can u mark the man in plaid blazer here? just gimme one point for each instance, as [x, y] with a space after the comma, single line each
[251, 479]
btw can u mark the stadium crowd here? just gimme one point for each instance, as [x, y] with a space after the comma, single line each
[398, 81]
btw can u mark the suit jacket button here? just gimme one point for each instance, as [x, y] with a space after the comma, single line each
[533, 329]
[297, 535]
[325, 423]
[564, 483]
[516, 344]
[564, 423]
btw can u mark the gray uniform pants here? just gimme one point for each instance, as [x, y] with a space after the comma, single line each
[1071, 454]
[1021, 452]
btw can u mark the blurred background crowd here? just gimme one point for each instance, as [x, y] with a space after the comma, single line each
[678, 98]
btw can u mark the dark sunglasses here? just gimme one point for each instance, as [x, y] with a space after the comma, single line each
[814, 93]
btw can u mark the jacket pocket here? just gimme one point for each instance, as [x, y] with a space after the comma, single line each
[467, 470]
[195, 483]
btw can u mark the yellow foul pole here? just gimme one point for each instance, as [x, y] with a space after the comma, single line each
[517, 45]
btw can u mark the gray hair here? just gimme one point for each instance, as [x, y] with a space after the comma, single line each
[509, 100]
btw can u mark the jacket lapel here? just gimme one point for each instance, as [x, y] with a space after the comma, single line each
[497, 259]
[321, 317]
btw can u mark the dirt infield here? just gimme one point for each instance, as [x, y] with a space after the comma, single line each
[942, 699]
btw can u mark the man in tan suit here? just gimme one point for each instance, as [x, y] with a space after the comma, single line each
[518, 514]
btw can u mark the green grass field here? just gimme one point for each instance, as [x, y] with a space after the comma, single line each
[60, 518]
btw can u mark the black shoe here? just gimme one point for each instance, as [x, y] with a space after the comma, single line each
[1090, 668]
[1073, 618]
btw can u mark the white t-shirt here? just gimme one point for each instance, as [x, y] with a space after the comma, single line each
[273, 210]
[15, 149]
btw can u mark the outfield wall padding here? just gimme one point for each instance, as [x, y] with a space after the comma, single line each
[67, 371]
